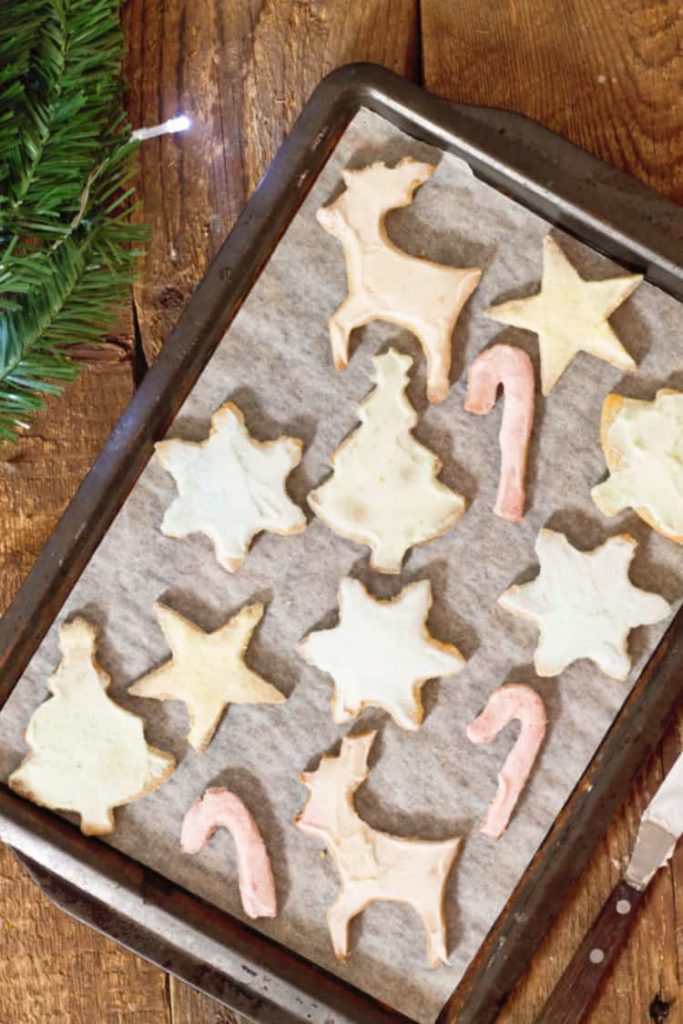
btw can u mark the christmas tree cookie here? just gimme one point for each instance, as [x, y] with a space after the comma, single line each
[386, 283]
[643, 445]
[231, 487]
[584, 604]
[384, 491]
[88, 754]
[207, 671]
[381, 653]
[570, 315]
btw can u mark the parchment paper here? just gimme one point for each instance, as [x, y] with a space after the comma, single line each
[275, 363]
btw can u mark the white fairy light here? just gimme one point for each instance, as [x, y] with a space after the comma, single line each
[175, 124]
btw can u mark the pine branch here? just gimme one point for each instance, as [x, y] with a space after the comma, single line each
[66, 247]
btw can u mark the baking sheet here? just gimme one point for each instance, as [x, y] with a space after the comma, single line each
[275, 363]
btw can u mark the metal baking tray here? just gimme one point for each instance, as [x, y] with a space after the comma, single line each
[138, 907]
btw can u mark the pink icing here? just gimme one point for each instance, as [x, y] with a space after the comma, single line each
[504, 705]
[511, 368]
[219, 808]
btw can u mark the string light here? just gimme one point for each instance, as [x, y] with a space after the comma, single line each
[170, 127]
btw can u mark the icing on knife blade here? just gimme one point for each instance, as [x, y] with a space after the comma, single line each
[660, 828]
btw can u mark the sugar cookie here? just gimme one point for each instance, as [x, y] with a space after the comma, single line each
[643, 445]
[373, 865]
[513, 702]
[231, 487]
[386, 283]
[570, 315]
[384, 491]
[207, 670]
[584, 604]
[381, 653]
[511, 367]
[219, 808]
[88, 754]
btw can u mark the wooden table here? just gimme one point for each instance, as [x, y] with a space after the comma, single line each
[604, 73]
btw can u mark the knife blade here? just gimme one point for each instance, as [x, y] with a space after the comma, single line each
[659, 831]
[660, 827]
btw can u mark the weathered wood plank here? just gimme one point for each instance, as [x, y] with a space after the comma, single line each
[601, 73]
[647, 967]
[51, 968]
[242, 71]
[190, 1007]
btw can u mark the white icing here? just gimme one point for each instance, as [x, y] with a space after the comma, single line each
[207, 670]
[570, 315]
[373, 865]
[381, 653]
[384, 490]
[88, 754]
[386, 283]
[231, 487]
[645, 441]
[584, 604]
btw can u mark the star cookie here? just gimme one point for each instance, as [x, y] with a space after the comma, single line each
[584, 604]
[88, 754]
[381, 653]
[643, 445]
[570, 315]
[207, 670]
[231, 487]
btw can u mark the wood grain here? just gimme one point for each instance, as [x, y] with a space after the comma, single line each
[191, 1007]
[51, 968]
[242, 70]
[602, 73]
[605, 73]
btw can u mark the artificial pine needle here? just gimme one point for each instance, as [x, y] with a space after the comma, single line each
[67, 248]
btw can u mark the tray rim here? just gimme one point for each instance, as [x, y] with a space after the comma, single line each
[608, 210]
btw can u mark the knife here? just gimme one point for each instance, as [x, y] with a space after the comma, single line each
[658, 832]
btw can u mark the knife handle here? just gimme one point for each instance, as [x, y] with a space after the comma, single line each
[575, 991]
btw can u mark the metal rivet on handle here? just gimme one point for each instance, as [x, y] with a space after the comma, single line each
[623, 906]
[596, 956]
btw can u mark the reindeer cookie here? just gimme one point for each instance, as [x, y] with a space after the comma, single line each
[373, 865]
[386, 283]
[384, 491]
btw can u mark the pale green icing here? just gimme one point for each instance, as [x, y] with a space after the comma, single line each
[649, 438]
